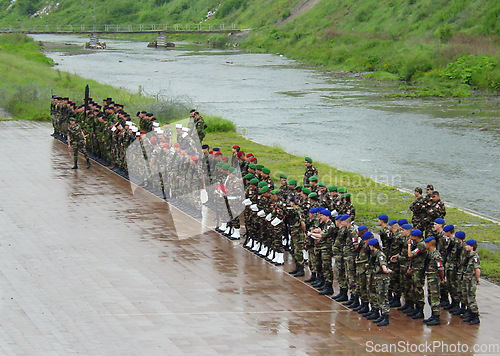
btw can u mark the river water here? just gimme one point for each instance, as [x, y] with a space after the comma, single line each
[338, 119]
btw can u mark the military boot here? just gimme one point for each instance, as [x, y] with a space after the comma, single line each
[379, 319]
[452, 305]
[374, 315]
[405, 306]
[410, 309]
[350, 301]
[396, 301]
[312, 278]
[429, 318]
[460, 310]
[337, 295]
[475, 319]
[319, 283]
[328, 290]
[368, 313]
[88, 163]
[419, 314]
[364, 308]
[444, 302]
[469, 317]
[356, 304]
[435, 320]
[300, 272]
[343, 296]
[455, 309]
[359, 307]
[465, 314]
[75, 166]
[294, 270]
[384, 321]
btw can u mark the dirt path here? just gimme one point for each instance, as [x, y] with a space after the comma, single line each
[302, 7]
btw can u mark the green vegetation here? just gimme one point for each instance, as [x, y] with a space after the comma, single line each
[437, 48]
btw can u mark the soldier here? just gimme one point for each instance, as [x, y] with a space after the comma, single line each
[276, 221]
[384, 232]
[380, 281]
[349, 253]
[250, 202]
[283, 188]
[434, 273]
[417, 255]
[199, 125]
[339, 263]
[264, 177]
[310, 171]
[76, 141]
[434, 209]
[470, 278]
[297, 228]
[363, 274]
[460, 252]
[450, 257]
[404, 277]
[394, 245]
[418, 209]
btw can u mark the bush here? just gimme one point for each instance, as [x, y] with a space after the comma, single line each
[477, 71]
[218, 124]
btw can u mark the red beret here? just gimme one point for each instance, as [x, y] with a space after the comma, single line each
[217, 153]
[249, 155]
[142, 132]
[211, 151]
[253, 159]
[236, 146]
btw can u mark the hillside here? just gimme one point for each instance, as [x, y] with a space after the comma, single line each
[448, 47]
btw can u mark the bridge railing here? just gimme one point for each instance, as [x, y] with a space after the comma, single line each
[114, 28]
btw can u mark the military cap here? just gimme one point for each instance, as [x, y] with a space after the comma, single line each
[314, 210]
[372, 242]
[142, 132]
[283, 176]
[345, 217]
[313, 179]
[216, 149]
[338, 217]
[383, 217]
[308, 159]
[299, 187]
[326, 212]
[430, 186]
[262, 184]
[448, 228]
[292, 182]
[249, 176]
[259, 167]
[346, 195]
[275, 192]
[418, 189]
[439, 221]
[236, 146]
[211, 151]
[252, 159]
[306, 191]
[401, 222]
[366, 235]
[251, 165]
[332, 188]
[254, 181]
[416, 232]
[205, 147]
[264, 189]
[313, 195]
[406, 226]
[430, 238]
[218, 153]
[249, 155]
[471, 242]
[342, 190]
[460, 235]
[266, 170]
[322, 184]
[72, 118]
[392, 222]
[362, 227]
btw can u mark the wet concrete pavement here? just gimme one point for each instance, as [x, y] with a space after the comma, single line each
[88, 267]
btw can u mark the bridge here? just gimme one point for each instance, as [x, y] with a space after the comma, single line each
[129, 29]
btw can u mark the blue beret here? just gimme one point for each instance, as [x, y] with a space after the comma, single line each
[338, 217]
[372, 242]
[216, 149]
[326, 212]
[401, 222]
[439, 221]
[416, 232]
[204, 147]
[362, 227]
[367, 235]
[321, 209]
[470, 242]
[314, 210]
[392, 222]
[430, 238]
[383, 217]
[407, 226]
[460, 234]
[345, 217]
[448, 228]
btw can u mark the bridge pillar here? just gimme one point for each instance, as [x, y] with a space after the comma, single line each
[94, 39]
[161, 40]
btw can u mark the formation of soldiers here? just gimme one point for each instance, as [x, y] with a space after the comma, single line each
[312, 220]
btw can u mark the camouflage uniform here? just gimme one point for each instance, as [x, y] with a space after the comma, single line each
[278, 211]
[433, 264]
[434, 210]
[310, 171]
[417, 265]
[380, 282]
[76, 139]
[349, 253]
[454, 249]
[328, 234]
[363, 273]
[394, 245]
[469, 280]
[339, 263]
[419, 211]
[295, 217]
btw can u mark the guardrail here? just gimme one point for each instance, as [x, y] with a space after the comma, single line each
[111, 28]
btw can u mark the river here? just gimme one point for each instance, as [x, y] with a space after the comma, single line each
[342, 120]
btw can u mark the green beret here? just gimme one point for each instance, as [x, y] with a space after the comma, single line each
[232, 170]
[275, 192]
[332, 188]
[342, 190]
[266, 170]
[283, 176]
[308, 159]
[249, 176]
[313, 195]
[306, 191]
[259, 167]
[292, 181]
[264, 189]
[313, 179]
[254, 181]
[346, 195]
[322, 184]
[262, 184]
[252, 166]
[299, 187]
[225, 167]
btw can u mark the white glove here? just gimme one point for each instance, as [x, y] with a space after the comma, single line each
[261, 213]
[276, 222]
[247, 202]
[254, 207]
[269, 217]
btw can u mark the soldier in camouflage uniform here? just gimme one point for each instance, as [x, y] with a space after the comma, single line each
[470, 279]
[380, 282]
[76, 141]
[200, 126]
[363, 274]
[417, 254]
[297, 228]
[384, 233]
[251, 194]
[310, 171]
[434, 209]
[395, 242]
[434, 273]
[350, 237]
[461, 254]
[339, 263]
[276, 220]
[403, 261]
[418, 210]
